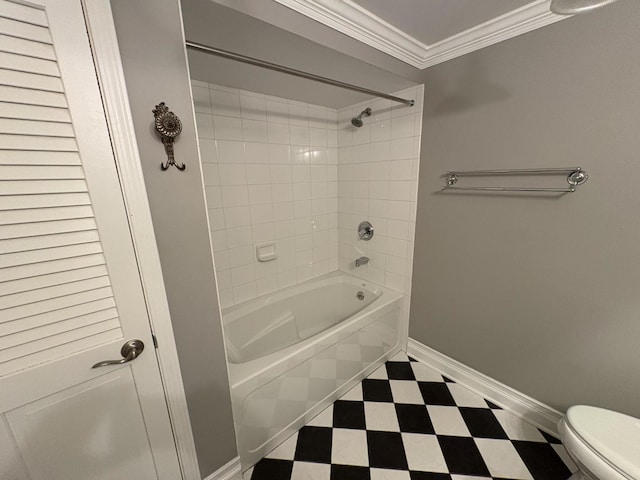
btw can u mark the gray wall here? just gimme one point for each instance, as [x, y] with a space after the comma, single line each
[303, 26]
[152, 49]
[540, 293]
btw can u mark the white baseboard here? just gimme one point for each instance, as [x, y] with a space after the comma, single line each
[529, 409]
[229, 471]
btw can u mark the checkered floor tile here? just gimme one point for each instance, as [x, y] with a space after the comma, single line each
[408, 422]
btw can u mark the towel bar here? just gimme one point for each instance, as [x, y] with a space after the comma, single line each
[575, 176]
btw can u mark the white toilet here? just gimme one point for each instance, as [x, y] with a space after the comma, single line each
[605, 445]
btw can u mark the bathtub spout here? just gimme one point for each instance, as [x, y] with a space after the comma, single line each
[362, 261]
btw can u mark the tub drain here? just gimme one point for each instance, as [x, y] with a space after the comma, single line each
[360, 295]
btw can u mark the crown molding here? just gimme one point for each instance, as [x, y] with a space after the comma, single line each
[350, 19]
[522, 20]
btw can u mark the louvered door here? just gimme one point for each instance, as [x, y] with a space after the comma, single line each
[70, 292]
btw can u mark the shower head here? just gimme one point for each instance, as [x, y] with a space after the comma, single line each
[572, 7]
[357, 121]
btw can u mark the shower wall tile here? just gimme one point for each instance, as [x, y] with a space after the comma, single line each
[201, 99]
[270, 168]
[302, 176]
[377, 181]
[226, 128]
[204, 125]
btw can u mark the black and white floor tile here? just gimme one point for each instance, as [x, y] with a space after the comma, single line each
[408, 422]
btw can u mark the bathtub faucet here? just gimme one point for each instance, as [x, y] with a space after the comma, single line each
[362, 261]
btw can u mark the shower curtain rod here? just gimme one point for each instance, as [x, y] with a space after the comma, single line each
[291, 71]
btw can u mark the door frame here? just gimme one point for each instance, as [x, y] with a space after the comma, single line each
[111, 80]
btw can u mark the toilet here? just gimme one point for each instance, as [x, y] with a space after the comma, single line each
[605, 445]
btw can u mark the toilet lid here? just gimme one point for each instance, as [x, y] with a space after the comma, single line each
[615, 436]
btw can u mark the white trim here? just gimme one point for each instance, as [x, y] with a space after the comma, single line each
[531, 410]
[349, 18]
[111, 79]
[522, 20]
[229, 471]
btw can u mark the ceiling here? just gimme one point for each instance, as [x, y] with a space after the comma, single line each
[432, 21]
[423, 33]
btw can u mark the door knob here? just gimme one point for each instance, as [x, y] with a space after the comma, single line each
[130, 351]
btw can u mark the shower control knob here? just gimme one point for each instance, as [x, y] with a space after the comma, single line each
[365, 231]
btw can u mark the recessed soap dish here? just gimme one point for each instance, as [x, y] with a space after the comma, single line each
[266, 252]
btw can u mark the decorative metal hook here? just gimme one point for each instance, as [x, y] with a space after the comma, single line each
[169, 126]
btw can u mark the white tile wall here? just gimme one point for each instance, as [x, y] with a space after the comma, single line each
[270, 168]
[378, 181]
[302, 176]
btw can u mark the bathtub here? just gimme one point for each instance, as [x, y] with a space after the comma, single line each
[292, 353]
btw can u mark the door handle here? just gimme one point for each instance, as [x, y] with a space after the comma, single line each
[130, 351]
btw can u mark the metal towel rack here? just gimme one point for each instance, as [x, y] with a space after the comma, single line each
[575, 176]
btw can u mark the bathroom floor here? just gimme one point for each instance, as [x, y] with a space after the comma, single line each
[408, 422]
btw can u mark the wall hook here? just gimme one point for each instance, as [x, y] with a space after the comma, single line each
[169, 126]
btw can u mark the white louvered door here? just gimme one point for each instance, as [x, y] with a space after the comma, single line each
[70, 291]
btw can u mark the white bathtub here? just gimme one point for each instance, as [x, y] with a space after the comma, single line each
[294, 352]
